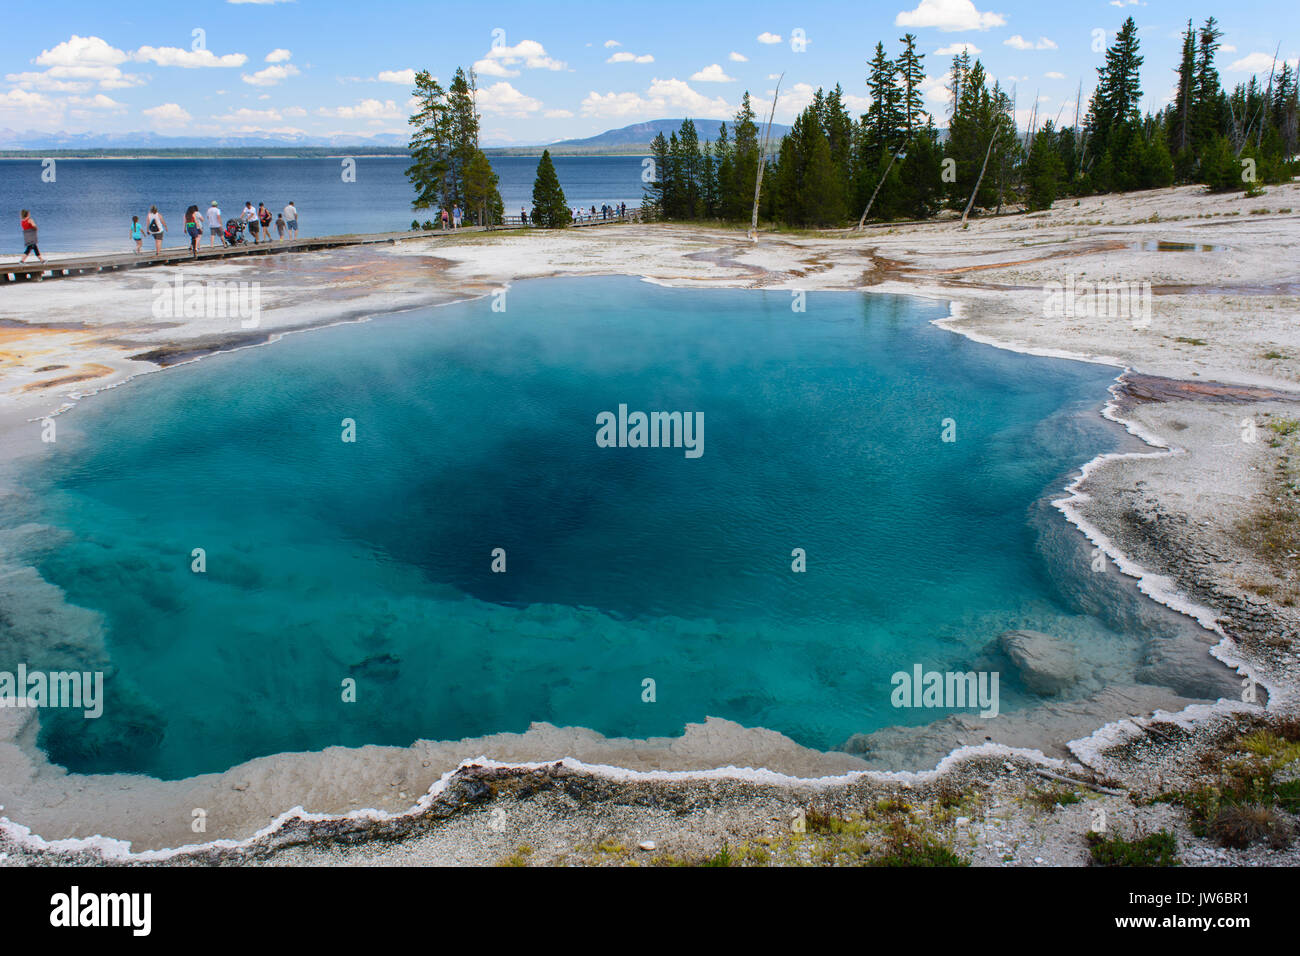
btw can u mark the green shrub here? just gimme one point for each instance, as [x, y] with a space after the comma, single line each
[1155, 849]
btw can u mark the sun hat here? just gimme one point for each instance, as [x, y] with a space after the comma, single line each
[214, 202]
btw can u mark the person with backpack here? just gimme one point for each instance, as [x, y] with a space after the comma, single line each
[156, 227]
[264, 220]
[137, 233]
[29, 237]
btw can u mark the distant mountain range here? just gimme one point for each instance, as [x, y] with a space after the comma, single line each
[143, 141]
[625, 140]
[641, 134]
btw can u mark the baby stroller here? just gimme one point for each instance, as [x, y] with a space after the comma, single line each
[234, 234]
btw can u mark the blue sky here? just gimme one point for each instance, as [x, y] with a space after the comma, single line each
[555, 70]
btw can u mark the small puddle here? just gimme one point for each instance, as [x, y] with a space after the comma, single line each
[1160, 245]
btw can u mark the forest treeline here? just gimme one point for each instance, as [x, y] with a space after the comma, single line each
[829, 167]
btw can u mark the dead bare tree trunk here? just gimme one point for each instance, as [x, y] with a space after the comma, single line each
[762, 160]
[975, 192]
[872, 200]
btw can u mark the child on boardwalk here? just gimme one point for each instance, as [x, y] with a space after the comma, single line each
[137, 233]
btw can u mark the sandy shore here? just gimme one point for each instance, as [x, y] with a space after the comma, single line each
[1179, 518]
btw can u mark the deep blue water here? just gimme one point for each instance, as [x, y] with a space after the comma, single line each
[476, 430]
[89, 205]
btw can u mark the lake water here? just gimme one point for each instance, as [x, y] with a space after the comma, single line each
[371, 561]
[89, 205]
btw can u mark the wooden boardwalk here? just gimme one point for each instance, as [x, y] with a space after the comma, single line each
[33, 270]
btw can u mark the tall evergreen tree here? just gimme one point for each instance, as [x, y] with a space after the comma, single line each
[430, 144]
[884, 119]
[463, 127]
[739, 197]
[1119, 90]
[911, 74]
[1207, 97]
[482, 197]
[656, 189]
[1181, 124]
[549, 206]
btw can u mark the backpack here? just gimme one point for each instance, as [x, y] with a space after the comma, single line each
[265, 217]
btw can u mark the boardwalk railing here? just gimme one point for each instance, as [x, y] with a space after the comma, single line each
[57, 268]
[586, 218]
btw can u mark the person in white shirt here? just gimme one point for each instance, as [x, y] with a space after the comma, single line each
[291, 219]
[215, 227]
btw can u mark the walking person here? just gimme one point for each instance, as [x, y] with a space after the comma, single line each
[156, 227]
[523, 216]
[29, 237]
[279, 226]
[291, 219]
[249, 217]
[444, 217]
[137, 233]
[194, 228]
[215, 228]
[264, 220]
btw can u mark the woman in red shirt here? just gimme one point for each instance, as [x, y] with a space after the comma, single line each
[29, 237]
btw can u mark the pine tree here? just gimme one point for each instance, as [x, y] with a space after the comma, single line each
[1181, 124]
[690, 170]
[656, 188]
[482, 197]
[463, 127]
[1119, 90]
[723, 172]
[911, 74]
[920, 177]
[549, 206]
[884, 115]
[1044, 170]
[430, 144]
[822, 194]
[1207, 97]
[740, 196]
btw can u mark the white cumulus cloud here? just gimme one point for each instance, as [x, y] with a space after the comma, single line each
[1020, 43]
[1256, 63]
[167, 114]
[270, 76]
[948, 15]
[712, 73]
[187, 59]
[504, 100]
